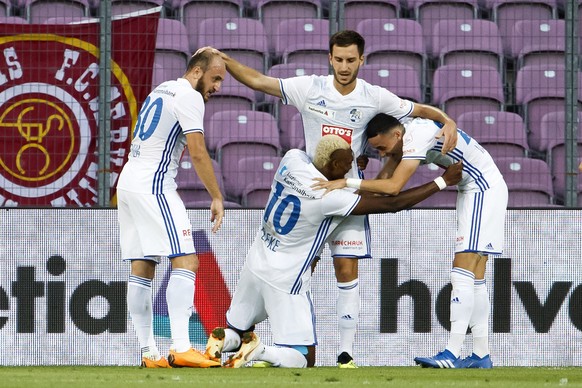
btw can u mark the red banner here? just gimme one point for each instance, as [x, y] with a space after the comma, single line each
[49, 107]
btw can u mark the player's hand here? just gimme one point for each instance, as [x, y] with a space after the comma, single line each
[328, 185]
[449, 131]
[217, 210]
[453, 174]
[362, 162]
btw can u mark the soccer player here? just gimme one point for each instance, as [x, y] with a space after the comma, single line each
[275, 281]
[481, 207]
[341, 104]
[152, 218]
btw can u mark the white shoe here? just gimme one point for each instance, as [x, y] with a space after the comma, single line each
[251, 346]
[215, 344]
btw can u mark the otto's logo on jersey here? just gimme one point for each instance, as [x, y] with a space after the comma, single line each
[49, 120]
[344, 133]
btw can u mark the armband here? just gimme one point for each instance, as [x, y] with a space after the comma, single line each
[440, 182]
[353, 183]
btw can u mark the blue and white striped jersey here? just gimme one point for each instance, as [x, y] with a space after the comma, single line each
[170, 111]
[479, 169]
[296, 222]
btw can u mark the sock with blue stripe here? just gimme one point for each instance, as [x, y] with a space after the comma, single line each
[348, 312]
[139, 304]
[180, 299]
[462, 302]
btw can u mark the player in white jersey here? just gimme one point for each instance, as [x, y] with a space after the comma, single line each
[152, 218]
[481, 207]
[341, 104]
[276, 279]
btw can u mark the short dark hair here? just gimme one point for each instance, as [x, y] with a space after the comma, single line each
[201, 59]
[347, 38]
[381, 123]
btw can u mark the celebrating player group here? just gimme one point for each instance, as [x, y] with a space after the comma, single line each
[317, 195]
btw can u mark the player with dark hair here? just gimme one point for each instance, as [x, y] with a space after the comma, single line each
[275, 281]
[481, 207]
[152, 218]
[342, 104]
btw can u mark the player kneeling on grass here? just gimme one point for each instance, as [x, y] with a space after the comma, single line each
[275, 281]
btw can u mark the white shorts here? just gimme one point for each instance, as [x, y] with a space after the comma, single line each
[351, 238]
[481, 220]
[292, 317]
[151, 226]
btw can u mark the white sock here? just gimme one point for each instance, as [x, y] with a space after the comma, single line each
[462, 301]
[479, 322]
[231, 340]
[282, 357]
[180, 299]
[348, 312]
[139, 304]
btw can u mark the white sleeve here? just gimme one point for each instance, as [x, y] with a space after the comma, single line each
[339, 202]
[294, 90]
[190, 112]
[418, 139]
[393, 105]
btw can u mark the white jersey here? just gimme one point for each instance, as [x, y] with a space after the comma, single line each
[171, 110]
[325, 111]
[296, 222]
[479, 170]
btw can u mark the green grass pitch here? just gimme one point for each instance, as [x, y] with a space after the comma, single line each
[88, 376]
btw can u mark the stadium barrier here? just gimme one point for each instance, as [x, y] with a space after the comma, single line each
[62, 288]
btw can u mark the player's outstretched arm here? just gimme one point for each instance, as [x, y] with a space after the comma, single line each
[249, 76]
[407, 199]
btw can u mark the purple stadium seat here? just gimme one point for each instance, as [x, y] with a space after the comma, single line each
[231, 96]
[272, 12]
[401, 80]
[459, 88]
[468, 41]
[11, 19]
[357, 10]
[303, 41]
[539, 42]
[373, 168]
[119, 7]
[5, 9]
[529, 181]
[285, 113]
[503, 134]
[446, 198]
[505, 13]
[394, 42]
[37, 11]
[191, 188]
[172, 51]
[193, 12]
[242, 38]
[238, 134]
[158, 75]
[429, 12]
[292, 134]
[255, 175]
[553, 128]
[540, 90]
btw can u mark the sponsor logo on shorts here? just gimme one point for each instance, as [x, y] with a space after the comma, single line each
[348, 243]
